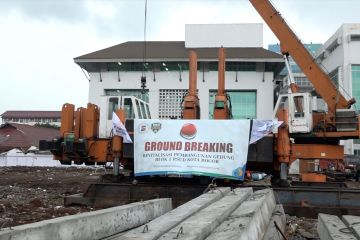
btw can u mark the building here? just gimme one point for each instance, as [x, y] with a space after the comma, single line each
[32, 117]
[250, 72]
[341, 59]
[300, 79]
[23, 136]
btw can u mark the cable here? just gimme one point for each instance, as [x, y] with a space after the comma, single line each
[144, 48]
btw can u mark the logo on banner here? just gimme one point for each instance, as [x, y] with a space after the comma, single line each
[143, 128]
[188, 131]
[155, 127]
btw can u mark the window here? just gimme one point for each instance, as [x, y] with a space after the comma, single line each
[138, 109]
[243, 104]
[357, 152]
[355, 37]
[129, 108]
[299, 106]
[113, 106]
[355, 78]
[302, 82]
[143, 110]
[128, 92]
[170, 101]
[284, 103]
[148, 111]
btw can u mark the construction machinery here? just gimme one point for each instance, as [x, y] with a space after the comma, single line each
[80, 141]
[307, 134]
[222, 105]
[191, 105]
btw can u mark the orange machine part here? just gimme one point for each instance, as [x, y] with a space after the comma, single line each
[317, 151]
[283, 146]
[79, 116]
[91, 127]
[313, 177]
[221, 72]
[117, 140]
[222, 112]
[99, 150]
[67, 119]
[191, 109]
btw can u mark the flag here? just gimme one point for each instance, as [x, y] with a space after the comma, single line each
[119, 129]
[261, 128]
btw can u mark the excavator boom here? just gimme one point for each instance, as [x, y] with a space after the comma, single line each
[292, 45]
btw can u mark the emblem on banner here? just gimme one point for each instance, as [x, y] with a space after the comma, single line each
[155, 127]
[188, 131]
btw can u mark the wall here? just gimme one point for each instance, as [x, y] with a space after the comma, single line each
[259, 81]
[346, 54]
[226, 35]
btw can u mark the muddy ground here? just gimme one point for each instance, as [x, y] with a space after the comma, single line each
[32, 194]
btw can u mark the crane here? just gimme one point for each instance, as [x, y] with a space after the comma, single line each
[307, 134]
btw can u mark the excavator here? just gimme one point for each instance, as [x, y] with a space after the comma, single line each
[308, 134]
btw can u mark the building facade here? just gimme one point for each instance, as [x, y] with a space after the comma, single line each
[32, 117]
[341, 59]
[300, 79]
[249, 76]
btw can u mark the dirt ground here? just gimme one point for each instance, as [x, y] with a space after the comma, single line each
[32, 194]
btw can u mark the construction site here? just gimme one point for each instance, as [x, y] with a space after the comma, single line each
[213, 137]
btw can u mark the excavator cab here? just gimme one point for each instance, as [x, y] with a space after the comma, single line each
[299, 110]
[134, 108]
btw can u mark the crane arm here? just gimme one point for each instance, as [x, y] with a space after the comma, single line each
[291, 44]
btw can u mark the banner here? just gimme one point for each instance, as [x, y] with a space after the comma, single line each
[215, 148]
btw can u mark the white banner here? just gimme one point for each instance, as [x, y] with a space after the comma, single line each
[216, 148]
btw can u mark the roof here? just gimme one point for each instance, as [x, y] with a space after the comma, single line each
[171, 50]
[23, 136]
[31, 114]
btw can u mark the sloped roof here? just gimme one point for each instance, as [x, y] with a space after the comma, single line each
[170, 50]
[23, 136]
[31, 114]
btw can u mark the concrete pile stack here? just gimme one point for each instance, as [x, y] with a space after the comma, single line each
[221, 213]
[332, 227]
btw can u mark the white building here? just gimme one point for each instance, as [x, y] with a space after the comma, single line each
[340, 57]
[250, 71]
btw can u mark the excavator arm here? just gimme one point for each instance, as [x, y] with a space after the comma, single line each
[291, 44]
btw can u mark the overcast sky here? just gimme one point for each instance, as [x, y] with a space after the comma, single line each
[40, 38]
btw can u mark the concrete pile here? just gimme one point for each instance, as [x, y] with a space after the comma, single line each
[221, 213]
[332, 227]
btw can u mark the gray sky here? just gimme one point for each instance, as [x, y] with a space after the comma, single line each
[40, 38]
